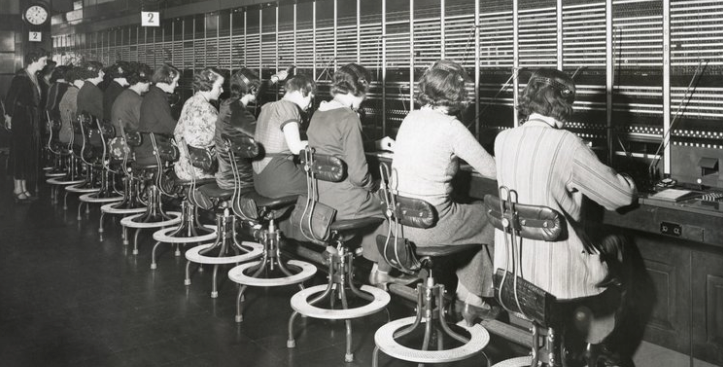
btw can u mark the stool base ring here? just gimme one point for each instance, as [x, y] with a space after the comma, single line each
[130, 223]
[110, 209]
[300, 304]
[89, 198]
[515, 362]
[58, 181]
[162, 236]
[193, 255]
[384, 339]
[237, 275]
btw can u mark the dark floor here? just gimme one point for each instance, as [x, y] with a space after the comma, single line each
[68, 299]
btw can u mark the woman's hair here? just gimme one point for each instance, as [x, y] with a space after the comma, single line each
[138, 73]
[203, 81]
[75, 73]
[443, 85]
[59, 73]
[549, 92]
[301, 83]
[34, 55]
[165, 74]
[92, 69]
[49, 68]
[120, 69]
[351, 78]
[244, 82]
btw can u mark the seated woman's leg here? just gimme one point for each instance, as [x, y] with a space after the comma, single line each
[281, 177]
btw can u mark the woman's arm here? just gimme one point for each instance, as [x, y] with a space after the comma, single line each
[467, 148]
[293, 138]
[356, 161]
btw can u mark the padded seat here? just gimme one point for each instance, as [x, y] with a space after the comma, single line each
[212, 190]
[141, 166]
[271, 203]
[352, 224]
[444, 250]
[184, 183]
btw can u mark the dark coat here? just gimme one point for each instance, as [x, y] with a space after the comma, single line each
[23, 104]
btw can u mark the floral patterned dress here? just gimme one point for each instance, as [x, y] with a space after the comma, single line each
[196, 127]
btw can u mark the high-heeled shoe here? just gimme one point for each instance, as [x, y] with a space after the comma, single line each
[471, 313]
[30, 196]
[20, 198]
[381, 279]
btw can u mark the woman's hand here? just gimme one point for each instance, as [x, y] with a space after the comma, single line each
[8, 122]
[385, 143]
[280, 76]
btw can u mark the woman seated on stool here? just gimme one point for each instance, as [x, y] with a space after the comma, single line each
[547, 165]
[156, 114]
[235, 118]
[429, 145]
[197, 123]
[335, 129]
[277, 130]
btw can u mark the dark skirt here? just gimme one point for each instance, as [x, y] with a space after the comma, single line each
[25, 147]
[281, 177]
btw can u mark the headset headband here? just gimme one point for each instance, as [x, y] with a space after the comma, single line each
[562, 88]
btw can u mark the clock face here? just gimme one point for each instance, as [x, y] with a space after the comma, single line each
[36, 15]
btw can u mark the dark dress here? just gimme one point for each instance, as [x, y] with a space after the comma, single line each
[90, 100]
[111, 93]
[23, 104]
[155, 118]
[55, 95]
[233, 120]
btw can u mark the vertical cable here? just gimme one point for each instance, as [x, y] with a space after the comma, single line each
[411, 55]
[476, 69]
[666, 89]
[609, 77]
[442, 36]
[383, 82]
[560, 61]
[515, 61]
[313, 39]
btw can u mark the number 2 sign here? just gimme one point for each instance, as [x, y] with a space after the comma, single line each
[150, 19]
[35, 36]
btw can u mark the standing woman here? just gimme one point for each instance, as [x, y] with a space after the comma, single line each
[22, 116]
[197, 124]
[430, 143]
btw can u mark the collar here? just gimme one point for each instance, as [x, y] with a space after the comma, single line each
[549, 121]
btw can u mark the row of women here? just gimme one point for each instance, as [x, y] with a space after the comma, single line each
[546, 164]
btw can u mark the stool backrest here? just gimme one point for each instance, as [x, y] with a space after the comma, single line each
[322, 166]
[241, 147]
[401, 211]
[315, 218]
[518, 222]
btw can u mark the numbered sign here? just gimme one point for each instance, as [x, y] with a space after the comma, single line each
[35, 36]
[150, 19]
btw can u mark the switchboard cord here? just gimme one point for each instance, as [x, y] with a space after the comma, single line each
[683, 101]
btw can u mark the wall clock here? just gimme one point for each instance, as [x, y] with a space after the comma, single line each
[36, 14]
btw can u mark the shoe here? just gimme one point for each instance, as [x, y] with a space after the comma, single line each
[381, 279]
[30, 196]
[471, 313]
[20, 198]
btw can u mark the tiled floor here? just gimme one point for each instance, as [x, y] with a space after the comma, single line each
[69, 299]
